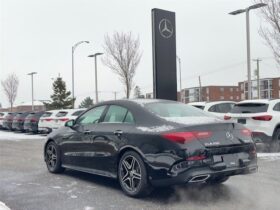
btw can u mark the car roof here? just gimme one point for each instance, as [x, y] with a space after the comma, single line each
[201, 103]
[261, 101]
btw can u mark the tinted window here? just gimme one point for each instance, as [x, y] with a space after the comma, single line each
[2, 114]
[47, 114]
[115, 114]
[277, 107]
[129, 118]
[61, 114]
[91, 116]
[249, 108]
[30, 115]
[221, 108]
[77, 113]
[168, 109]
[200, 107]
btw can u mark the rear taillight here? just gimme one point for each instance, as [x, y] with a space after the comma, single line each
[226, 117]
[19, 119]
[48, 119]
[197, 157]
[33, 120]
[263, 118]
[246, 132]
[64, 119]
[184, 137]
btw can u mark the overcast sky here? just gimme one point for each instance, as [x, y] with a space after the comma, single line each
[37, 35]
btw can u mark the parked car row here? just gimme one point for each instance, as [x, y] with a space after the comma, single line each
[37, 122]
[261, 116]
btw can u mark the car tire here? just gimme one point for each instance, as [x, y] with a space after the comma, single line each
[132, 175]
[275, 143]
[53, 158]
[218, 180]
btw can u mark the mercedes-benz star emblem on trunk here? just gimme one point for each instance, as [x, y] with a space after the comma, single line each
[165, 28]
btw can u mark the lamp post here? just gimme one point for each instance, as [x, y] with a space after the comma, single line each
[32, 92]
[73, 67]
[247, 10]
[95, 61]
[180, 74]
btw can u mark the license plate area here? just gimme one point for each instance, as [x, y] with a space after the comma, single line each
[242, 121]
[230, 160]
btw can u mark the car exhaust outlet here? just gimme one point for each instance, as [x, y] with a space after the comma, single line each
[199, 178]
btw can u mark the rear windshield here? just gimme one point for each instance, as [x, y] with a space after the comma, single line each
[30, 116]
[249, 108]
[77, 113]
[47, 114]
[61, 114]
[167, 109]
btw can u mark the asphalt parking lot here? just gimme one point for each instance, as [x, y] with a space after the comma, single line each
[26, 184]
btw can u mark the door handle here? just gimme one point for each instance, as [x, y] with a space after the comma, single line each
[86, 132]
[118, 132]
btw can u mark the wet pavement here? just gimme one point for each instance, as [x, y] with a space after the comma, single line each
[26, 184]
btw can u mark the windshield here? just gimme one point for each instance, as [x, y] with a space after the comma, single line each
[249, 108]
[169, 109]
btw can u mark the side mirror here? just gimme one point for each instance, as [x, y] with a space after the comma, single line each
[69, 123]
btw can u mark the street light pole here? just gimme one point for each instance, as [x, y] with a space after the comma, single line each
[180, 74]
[247, 10]
[32, 92]
[95, 64]
[73, 67]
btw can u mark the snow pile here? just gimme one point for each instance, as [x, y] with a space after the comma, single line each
[3, 206]
[11, 136]
[156, 129]
[269, 156]
[192, 120]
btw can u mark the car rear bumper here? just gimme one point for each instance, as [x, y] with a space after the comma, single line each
[203, 174]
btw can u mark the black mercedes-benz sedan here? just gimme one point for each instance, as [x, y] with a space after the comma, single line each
[147, 143]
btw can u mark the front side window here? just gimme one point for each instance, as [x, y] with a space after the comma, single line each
[92, 116]
[115, 114]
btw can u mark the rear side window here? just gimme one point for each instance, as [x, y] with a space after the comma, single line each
[115, 114]
[61, 114]
[277, 107]
[221, 108]
[129, 118]
[249, 108]
[30, 115]
[199, 107]
[47, 114]
[77, 113]
[2, 114]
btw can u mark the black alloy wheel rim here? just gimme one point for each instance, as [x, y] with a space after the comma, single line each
[130, 173]
[51, 156]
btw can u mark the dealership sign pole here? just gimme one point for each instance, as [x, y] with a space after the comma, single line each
[164, 54]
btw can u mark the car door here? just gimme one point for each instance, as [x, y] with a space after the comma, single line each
[109, 135]
[77, 144]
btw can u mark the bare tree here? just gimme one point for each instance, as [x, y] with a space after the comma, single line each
[122, 56]
[271, 31]
[10, 87]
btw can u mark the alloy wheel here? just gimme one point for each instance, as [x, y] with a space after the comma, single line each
[51, 156]
[130, 173]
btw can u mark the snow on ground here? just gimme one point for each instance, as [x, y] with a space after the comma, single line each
[3, 206]
[12, 136]
[269, 156]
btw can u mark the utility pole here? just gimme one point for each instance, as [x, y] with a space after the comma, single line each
[200, 89]
[258, 76]
[180, 74]
[32, 91]
[115, 94]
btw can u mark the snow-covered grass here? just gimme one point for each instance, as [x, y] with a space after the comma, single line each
[13, 136]
[269, 156]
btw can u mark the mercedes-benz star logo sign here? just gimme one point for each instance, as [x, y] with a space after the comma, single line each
[229, 135]
[165, 28]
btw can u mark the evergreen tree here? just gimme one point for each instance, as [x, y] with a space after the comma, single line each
[86, 103]
[61, 97]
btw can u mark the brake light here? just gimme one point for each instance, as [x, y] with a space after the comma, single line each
[197, 157]
[48, 119]
[226, 117]
[184, 137]
[246, 132]
[64, 119]
[33, 120]
[263, 118]
[19, 119]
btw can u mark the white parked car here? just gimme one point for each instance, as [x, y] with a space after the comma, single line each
[262, 117]
[216, 108]
[62, 116]
[2, 116]
[46, 120]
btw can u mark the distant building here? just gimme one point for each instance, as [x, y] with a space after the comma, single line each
[211, 93]
[269, 88]
[26, 107]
